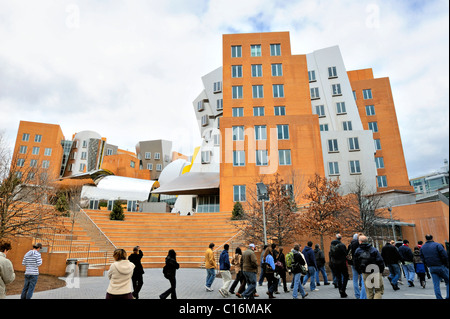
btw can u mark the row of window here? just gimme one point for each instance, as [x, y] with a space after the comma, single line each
[258, 111]
[256, 70]
[261, 158]
[148, 155]
[26, 137]
[332, 73]
[33, 163]
[355, 168]
[342, 109]
[261, 132]
[35, 151]
[255, 50]
[237, 91]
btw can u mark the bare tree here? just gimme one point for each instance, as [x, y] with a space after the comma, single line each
[24, 196]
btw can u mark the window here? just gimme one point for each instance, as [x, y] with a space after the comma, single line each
[237, 92]
[219, 104]
[353, 144]
[84, 144]
[256, 70]
[278, 90]
[354, 95]
[258, 111]
[377, 144]
[206, 157]
[277, 69]
[379, 161]
[33, 163]
[205, 120]
[262, 158]
[148, 155]
[257, 91]
[333, 145]
[355, 167]
[333, 168]
[382, 181]
[239, 193]
[284, 157]
[25, 137]
[323, 127]
[332, 73]
[157, 156]
[370, 110]
[340, 108]
[132, 164]
[82, 167]
[314, 93]
[238, 158]
[237, 111]
[320, 110]
[217, 87]
[347, 125]
[45, 164]
[367, 94]
[83, 155]
[336, 89]
[260, 132]
[236, 51]
[38, 138]
[158, 167]
[150, 166]
[35, 150]
[283, 131]
[109, 151]
[312, 76]
[236, 71]
[255, 50]
[20, 162]
[373, 126]
[200, 106]
[208, 204]
[23, 149]
[275, 49]
[216, 138]
[238, 133]
[280, 111]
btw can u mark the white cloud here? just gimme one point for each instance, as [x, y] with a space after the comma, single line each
[131, 69]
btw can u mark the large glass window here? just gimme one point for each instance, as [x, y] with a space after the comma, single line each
[239, 193]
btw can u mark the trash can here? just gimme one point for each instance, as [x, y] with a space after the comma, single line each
[71, 268]
[83, 267]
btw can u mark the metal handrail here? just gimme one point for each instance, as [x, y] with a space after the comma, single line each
[97, 228]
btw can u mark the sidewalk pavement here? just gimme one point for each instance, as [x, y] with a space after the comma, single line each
[191, 285]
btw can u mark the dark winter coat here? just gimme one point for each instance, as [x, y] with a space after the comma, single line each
[375, 257]
[320, 257]
[354, 244]
[136, 260]
[433, 254]
[390, 254]
[406, 253]
[339, 257]
[308, 252]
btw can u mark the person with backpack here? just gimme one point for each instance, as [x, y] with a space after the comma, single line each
[298, 267]
[320, 262]
[392, 258]
[169, 272]
[308, 252]
[370, 264]
[269, 272]
[280, 268]
[358, 283]
[407, 262]
[224, 264]
[419, 267]
[338, 264]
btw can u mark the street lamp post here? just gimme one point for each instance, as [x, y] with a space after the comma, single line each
[262, 195]
[392, 223]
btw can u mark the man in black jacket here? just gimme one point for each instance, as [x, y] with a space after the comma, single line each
[407, 262]
[392, 258]
[338, 264]
[137, 278]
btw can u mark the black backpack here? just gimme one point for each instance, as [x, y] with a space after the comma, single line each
[366, 259]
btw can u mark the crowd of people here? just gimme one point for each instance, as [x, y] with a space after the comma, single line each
[426, 260]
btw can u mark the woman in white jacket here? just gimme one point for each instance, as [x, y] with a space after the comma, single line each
[119, 274]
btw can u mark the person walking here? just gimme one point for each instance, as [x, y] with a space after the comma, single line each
[358, 282]
[119, 275]
[236, 262]
[310, 258]
[32, 261]
[297, 263]
[419, 267]
[370, 264]
[392, 258]
[261, 274]
[210, 265]
[169, 271]
[320, 263]
[280, 268]
[225, 266]
[338, 263]
[407, 262]
[435, 258]
[137, 278]
[269, 272]
[7, 274]
[249, 269]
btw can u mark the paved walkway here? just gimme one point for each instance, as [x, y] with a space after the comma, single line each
[191, 285]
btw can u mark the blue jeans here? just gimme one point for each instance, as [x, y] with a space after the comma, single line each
[358, 285]
[394, 273]
[324, 274]
[438, 272]
[28, 287]
[311, 273]
[297, 286]
[250, 278]
[409, 271]
[210, 276]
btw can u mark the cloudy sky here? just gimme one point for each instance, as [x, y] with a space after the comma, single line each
[130, 70]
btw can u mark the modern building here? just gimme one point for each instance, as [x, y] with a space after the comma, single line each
[431, 184]
[154, 156]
